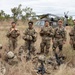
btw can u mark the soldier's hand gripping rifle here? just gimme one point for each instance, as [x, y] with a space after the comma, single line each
[61, 33]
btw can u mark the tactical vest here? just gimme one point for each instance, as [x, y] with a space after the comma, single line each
[14, 34]
[45, 31]
[60, 33]
[31, 33]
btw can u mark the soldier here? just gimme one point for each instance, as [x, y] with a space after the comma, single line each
[59, 39]
[46, 33]
[11, 58]
[13, 34]
[30, 38]
[72, 36]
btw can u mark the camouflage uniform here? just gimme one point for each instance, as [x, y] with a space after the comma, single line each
[72, 37]
[46, 33]
[30, 39]
[13, 38]
[58, 39]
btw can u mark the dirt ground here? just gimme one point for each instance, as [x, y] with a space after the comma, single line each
[27, 68]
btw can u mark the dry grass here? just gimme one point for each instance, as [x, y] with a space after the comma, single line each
[26, 68]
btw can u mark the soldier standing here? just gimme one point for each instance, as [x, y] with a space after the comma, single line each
[13, 34]
[59, 39]
[46, 33]
[30, 38]
[72, 36]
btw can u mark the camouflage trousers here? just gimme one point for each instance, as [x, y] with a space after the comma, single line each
[31, 45]
[45, 44]
[58, 43]
[12, 44]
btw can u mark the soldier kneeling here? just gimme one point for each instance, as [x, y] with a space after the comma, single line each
[11, 58]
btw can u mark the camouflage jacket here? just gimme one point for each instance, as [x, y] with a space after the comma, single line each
[72, 33]
[13, 34]
[60, 33]
[30, 34]
[46, 32]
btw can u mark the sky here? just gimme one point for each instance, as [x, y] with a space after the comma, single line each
[57, 7]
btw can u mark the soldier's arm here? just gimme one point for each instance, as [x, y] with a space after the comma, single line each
[26, 32]
[34, 36]
[18, 32]
[35, 33]
[8, 33]
[51, 32]
[71, 33]
[41, 32]
[54, 33]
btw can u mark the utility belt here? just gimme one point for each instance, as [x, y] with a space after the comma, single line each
[13, 35]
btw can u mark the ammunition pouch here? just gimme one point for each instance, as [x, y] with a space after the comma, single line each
[29, 38]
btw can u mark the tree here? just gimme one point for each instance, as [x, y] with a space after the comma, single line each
[17, 12]
[7, 17]
[70, 21]
[2, 15]
[27, 13]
